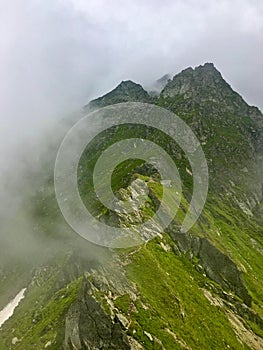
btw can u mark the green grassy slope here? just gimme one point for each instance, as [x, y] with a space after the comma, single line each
[169, 302]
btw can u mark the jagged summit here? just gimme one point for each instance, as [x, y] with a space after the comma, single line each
[205, 86]
[128, 84]
[126, 91]
[203, 82]
[207, 67]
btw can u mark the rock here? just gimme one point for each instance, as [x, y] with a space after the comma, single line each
[48, 344]
[148, 335]
[89, 327]
[165, 247]
[134, 344]
[124, 322]
[15, 340]
[215, 264]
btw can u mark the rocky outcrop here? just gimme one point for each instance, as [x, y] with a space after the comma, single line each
[215, 264]
[89, 327]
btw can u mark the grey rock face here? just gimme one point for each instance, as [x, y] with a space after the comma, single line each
[89, 327]
[216, 265]
[203, 84]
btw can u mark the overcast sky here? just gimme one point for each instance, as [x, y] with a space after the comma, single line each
[56, 55]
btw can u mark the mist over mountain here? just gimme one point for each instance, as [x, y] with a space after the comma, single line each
[202, 289]
[55, 56]
[192, 62]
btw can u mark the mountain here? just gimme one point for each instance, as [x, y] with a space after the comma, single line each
[199, 290]
[230, 130]
[124, 92]
[205, 84]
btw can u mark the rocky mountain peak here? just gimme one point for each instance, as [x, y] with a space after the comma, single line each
[205, 81]
[128, 84]
[204, 87]
[126, 91]
[209, 66]
[208, 70]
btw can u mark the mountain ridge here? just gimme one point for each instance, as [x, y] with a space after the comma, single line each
[200, 290]
[212, 109]
[208, 69]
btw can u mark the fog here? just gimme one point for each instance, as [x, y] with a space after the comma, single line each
[57, 55]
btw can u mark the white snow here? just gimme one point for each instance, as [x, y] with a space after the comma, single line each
[9, 309]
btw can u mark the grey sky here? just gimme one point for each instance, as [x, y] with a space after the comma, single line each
[56, 55]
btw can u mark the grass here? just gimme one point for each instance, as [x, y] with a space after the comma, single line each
[171, 307]
[171, 298]
[40, 318]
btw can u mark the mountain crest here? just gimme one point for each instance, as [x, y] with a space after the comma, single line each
[126, 91]
[204, 81]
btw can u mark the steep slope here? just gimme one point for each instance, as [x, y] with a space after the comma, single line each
[200, 290]
[230, 129]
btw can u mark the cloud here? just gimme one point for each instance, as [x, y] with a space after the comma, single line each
[57, 55]
[147, 39]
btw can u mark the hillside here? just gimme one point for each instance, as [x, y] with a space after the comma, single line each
[197, 290]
